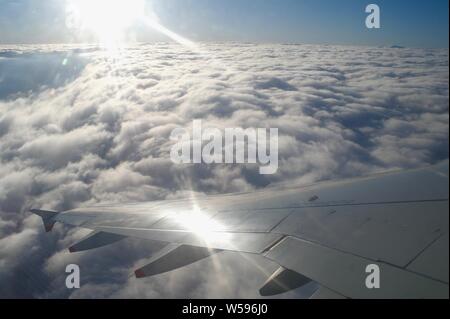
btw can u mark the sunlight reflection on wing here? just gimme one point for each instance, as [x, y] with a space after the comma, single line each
[202, 225]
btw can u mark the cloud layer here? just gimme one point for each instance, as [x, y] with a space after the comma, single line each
[81, 126]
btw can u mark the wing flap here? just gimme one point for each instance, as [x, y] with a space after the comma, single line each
[394, 233]
[346, 273]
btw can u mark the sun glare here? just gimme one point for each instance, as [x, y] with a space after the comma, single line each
[107, 19]
[202, 225]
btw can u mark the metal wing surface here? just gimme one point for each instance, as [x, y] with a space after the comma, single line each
[326, 233]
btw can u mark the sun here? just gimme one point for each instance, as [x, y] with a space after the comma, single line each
[107, 19]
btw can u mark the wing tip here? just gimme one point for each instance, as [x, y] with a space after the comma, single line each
[47, 218]
[139, 273]
[48, 226]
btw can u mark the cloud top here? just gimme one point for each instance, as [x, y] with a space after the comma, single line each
[80, 126]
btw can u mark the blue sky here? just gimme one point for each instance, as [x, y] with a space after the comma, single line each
[414, 23]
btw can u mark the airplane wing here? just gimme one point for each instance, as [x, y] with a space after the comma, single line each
[327, 233]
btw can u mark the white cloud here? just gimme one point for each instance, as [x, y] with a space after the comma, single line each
[96, 129]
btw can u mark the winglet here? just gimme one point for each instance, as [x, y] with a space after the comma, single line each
[47, 218]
